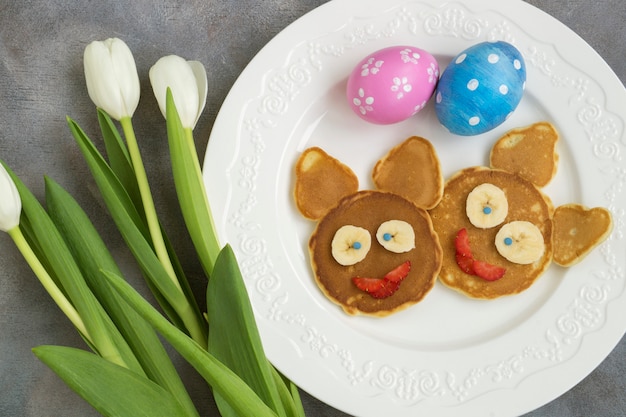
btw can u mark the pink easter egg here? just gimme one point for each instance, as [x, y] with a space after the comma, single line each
[392, 84]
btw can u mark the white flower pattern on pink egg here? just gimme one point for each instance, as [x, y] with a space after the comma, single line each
[408, 56]
[433, 73]
[363, 103]
[419, 107]
[401, 86]
[371, 67]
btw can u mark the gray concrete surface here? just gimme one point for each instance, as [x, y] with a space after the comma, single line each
[41, 81]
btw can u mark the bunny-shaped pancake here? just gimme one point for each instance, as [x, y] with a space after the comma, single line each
[373, 252]
[499, 231]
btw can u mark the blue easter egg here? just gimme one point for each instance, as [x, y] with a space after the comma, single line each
[480, 88]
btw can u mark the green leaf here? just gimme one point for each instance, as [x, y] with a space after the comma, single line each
[224, 381]
[121, 164]
[182, 278]
[189, 184]
[137, 237]
[101, 332]
[92, 256]
[110, 187]
[119, 158]
[289, 395]
[111, 389]
[234, 338]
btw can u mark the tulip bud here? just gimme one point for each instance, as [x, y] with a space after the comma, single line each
[111, 76]
[10, 202]
[188, 82]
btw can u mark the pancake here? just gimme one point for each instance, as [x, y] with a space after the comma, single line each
[369, 209]
[577, 230]
[525, 201]
[321, 181]
[411, 170]
[528, 151]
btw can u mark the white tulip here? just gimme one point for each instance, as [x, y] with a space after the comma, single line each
[188, 82]
[111, 76]
[10, 202]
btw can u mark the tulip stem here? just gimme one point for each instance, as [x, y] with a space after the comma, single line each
[48, 283]
[146, 198]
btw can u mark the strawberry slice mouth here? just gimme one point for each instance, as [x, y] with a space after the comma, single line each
[386, 286]
[468, 264]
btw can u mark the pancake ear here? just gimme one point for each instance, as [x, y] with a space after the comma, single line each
[321, 181]
[577, 230]
[529, 152]
[411, 170]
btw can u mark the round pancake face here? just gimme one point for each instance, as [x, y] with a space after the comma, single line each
[369, 210]
[525, 203]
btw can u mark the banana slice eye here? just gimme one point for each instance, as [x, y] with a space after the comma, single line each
[350, 244]
[486, 206]
[396, 236]
[520, 242]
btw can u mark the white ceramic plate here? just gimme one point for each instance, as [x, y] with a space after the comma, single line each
[448, 355]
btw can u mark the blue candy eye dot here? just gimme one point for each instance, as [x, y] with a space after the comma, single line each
[487, 210]
[356, 245]
[387, 237]
[508, 241]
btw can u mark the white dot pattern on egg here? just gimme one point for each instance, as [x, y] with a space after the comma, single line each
[392, 84]
[480, 88]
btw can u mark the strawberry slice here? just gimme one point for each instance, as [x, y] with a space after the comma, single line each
[465, 260]
[399, 273]
[462, 245]
[386, 290]
[464, 257]
[386, 286]
[369, 285]
[488, 271]
[466, 263]
[376, 287]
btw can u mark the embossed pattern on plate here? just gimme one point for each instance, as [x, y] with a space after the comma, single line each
[447, 354]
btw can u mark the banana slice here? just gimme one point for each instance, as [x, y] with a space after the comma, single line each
[350, 244]
[520, 242]
[396, 236]
[486, 206]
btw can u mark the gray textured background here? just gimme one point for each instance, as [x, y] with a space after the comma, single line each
[41, 81]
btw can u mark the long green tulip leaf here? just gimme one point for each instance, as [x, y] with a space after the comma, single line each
[289, 395]
[92, 256]
[124, 214]
[190, 188]
[111, 389]
[119, 159]
[121, 164]
[137, 238]
[101, 332]
[225, 383]
[234, 338]
[109, 184]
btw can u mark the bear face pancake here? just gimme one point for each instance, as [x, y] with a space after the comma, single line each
[372, 252]
[525, 203]
[369, 210]
[487, 255]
